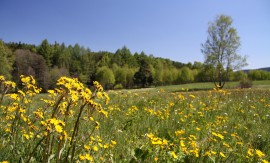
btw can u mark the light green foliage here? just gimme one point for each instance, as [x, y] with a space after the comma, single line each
[239, 75]
[105, 76]
[6, 60]
[259, 75]
[186, 75]
[159, 73]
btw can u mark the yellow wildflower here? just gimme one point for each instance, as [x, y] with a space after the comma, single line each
[105, 113]
[226, 145]
[113, 142]
[150, 135]
[106, 146]
[95, 148]
[81, 157]
[2, 78]
[213, 152]
[222, 154]
[207, 153]
[192, 96]
[3, 161]
[259, 153]
[156, 141]
[182, 143]
[99, 95]
[173, 154]
[87, 147]
[58, 128]
[179, 132]
[250, 152]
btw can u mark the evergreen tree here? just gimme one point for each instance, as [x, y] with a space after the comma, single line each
[144, 76]
[46, 51]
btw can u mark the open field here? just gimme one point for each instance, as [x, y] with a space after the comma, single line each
[163, 124]
[210, 85]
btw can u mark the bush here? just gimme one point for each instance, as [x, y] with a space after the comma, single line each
[245, 83]
[118, 86]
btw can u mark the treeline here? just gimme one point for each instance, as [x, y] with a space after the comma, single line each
[121, 69]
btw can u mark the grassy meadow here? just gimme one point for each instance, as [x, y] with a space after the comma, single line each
[184, 123]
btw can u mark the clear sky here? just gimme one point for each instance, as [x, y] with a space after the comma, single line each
[173, 29]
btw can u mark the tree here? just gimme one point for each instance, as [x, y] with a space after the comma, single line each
[144, 76]
[46, 51]
[186, 75]
[29, 63]
[221, 49]
[105, 76]
[6, 60]
[239, 75]
[55, 74]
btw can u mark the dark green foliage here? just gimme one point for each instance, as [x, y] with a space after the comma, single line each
[144, 76]
[46, 51]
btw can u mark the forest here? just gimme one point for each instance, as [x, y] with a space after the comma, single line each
[48, 62]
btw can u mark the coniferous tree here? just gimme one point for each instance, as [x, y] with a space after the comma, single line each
[144, 76]
[46, 51]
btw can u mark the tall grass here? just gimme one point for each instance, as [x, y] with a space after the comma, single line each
[165, 124]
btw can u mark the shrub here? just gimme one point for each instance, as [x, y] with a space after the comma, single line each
[245, 83]
[118, 86]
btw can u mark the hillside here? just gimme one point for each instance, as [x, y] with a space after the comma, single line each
[264, 69]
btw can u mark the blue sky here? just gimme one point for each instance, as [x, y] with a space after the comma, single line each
[173, 29]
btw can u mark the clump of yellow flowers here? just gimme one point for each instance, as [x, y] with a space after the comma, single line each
[56, 129]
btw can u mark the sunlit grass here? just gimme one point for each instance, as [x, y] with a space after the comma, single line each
[184, 123]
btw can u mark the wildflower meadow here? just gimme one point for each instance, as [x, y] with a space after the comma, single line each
[73, 123]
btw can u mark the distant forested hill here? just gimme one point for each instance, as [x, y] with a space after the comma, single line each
[265, 69]
[114, 70]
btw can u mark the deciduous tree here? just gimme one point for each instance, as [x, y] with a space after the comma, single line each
[221, 49]
[6, 60]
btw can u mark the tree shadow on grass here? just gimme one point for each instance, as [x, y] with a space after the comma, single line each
[191, 90]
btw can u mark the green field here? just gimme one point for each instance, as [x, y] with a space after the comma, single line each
[210, 85]
[184, 123]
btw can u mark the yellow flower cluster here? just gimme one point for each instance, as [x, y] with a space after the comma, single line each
[157, 141]
[54, 127]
